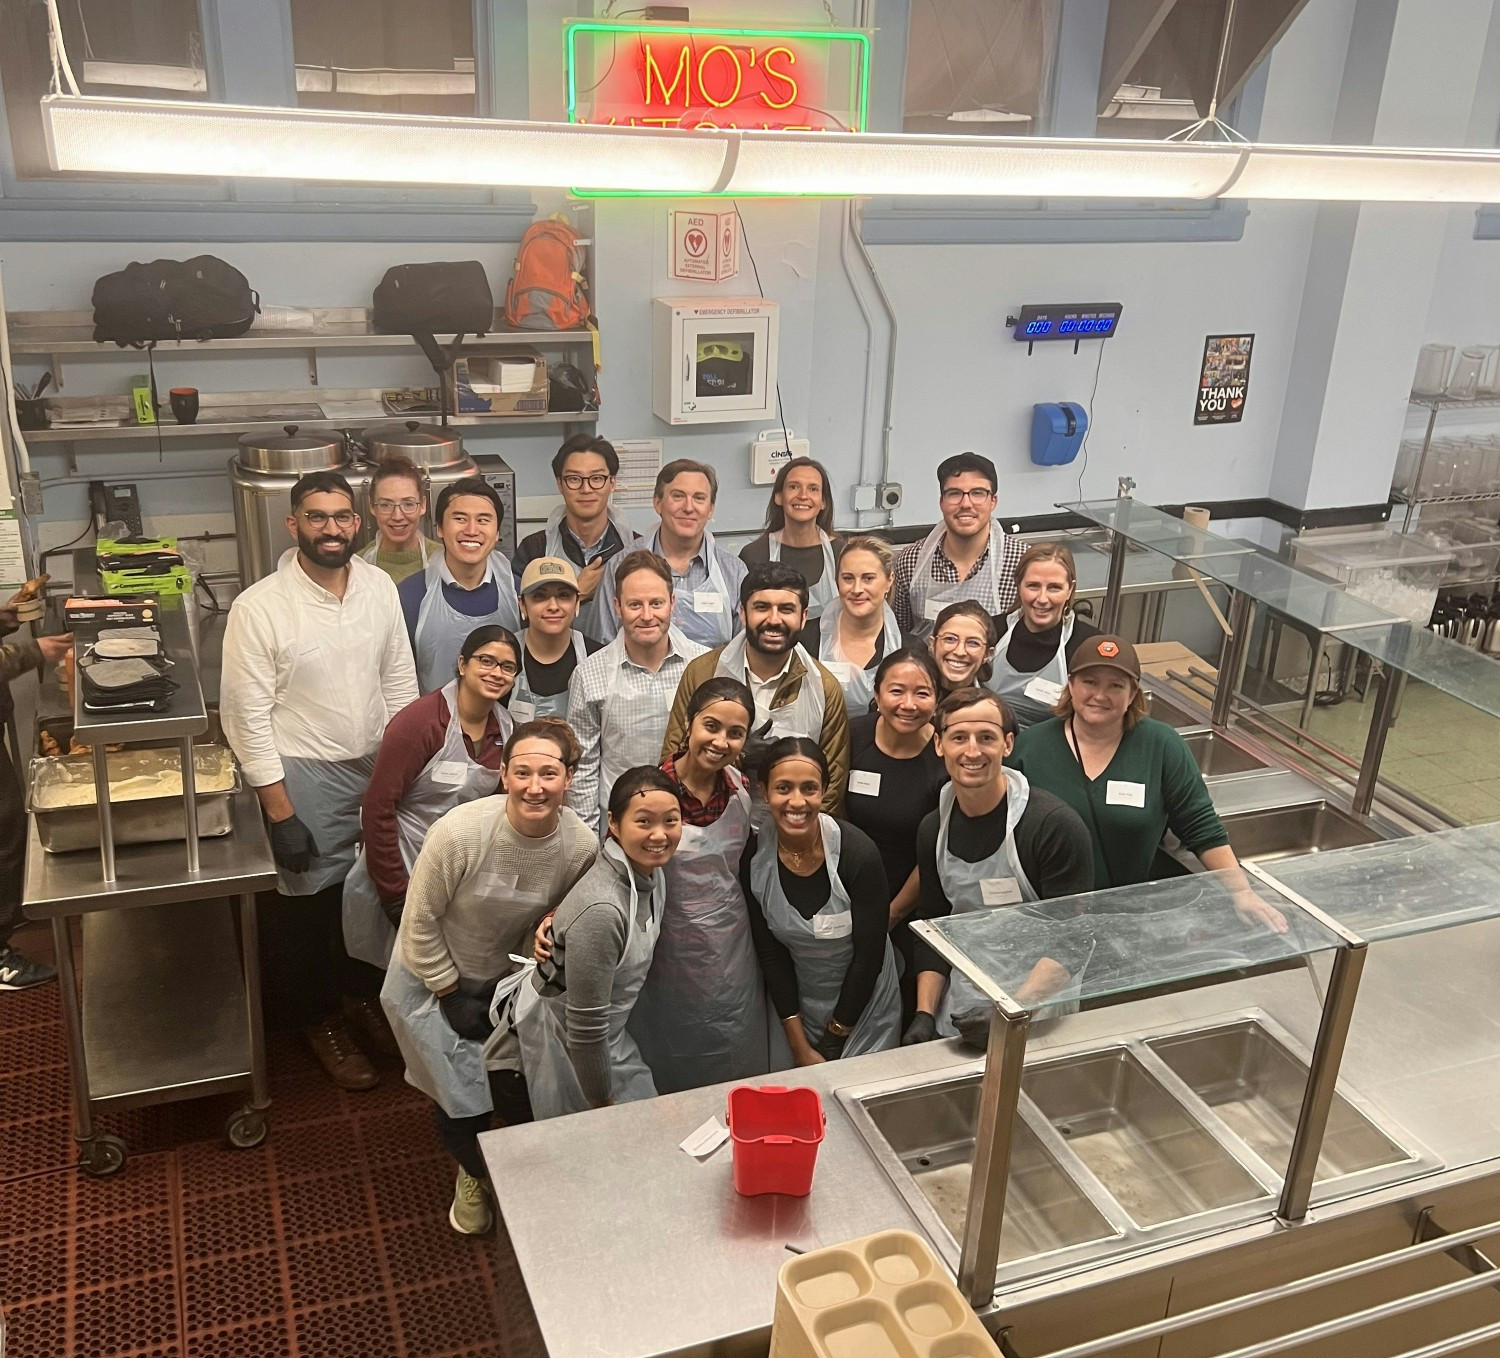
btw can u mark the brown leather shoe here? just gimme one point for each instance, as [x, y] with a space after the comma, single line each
[332, 1044]
[367, 1021]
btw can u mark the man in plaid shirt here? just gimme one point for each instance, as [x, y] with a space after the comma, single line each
[964, 557]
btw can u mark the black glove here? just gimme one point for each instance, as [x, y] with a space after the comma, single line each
[392, 910]
[467, 1014]
[831, 1045]
[923, 1028]
[974, 1027]
[756, 746]
[292, 844]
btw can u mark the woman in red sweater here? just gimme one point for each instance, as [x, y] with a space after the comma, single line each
[437, 753]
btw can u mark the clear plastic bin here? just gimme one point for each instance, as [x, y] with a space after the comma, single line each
[1397, 572]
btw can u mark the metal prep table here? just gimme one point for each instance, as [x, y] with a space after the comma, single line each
[171, 989]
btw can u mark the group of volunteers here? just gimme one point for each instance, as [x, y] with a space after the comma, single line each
[628, 816]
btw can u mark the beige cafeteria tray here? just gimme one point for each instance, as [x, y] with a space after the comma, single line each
[881, 1296]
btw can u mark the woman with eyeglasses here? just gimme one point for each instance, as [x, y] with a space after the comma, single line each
[398, 500]
[799, 519]
[437, 753]
[963, 643]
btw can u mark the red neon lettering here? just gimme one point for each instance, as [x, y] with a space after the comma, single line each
[682, 75]
[739, 76]
[785, 78]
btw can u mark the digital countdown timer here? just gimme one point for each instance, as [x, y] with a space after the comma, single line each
[1066, 321]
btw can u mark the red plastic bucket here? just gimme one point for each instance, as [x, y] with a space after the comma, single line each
[775, 1132]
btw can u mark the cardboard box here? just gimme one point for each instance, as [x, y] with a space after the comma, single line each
[512, 383]
[86, 617]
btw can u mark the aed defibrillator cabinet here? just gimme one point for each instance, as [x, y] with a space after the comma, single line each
[714, 359]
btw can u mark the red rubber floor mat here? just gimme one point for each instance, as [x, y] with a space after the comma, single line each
[331, 1240]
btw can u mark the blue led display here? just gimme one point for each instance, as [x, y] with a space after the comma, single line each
[1066, 322]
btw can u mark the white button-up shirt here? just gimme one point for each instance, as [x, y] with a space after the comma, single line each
[639, 704]
[309, 675]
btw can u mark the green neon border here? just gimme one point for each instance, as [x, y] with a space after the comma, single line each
[859, 40]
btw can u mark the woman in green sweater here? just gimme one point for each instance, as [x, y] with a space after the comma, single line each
[1130, 778]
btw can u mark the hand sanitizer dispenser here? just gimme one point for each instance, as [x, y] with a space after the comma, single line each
[1057, 430]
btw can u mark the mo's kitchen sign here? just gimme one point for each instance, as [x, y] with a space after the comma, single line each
[668, 75]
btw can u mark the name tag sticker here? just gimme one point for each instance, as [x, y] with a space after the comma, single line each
[865, 783]
[1000, 891]
[840, 925]
[1043, 691]
[1124, 794]
[931, 609]
[521, 711]
[692, 839]
[451, 771]
[707, 601]
[841, 670]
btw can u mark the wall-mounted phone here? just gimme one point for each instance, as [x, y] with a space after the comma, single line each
[119, 503]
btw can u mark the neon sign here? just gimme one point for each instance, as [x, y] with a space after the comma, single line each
[667, 75]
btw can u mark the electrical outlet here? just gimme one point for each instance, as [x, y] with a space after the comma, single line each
[31, 493]
[865, 497]
[890, 495]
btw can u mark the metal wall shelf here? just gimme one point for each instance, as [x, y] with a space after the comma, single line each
[72, 332]
[135, 432]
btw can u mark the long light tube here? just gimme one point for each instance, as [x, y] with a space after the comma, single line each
[96, 135]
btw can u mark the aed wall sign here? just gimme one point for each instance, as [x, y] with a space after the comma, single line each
[705, 245]
[672, 75]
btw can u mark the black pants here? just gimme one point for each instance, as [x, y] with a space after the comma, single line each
[12, 845]
[306, 966]
[461, 1135]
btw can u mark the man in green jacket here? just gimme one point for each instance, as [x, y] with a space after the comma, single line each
[794, 694]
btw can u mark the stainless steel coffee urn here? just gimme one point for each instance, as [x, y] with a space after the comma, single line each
[439, 452]
[261, 476]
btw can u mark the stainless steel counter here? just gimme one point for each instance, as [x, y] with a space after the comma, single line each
[631, 1248]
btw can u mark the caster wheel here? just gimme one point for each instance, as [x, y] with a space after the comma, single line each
[245, 1129]
[104, 1155]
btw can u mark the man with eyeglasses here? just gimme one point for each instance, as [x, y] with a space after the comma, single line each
[398, 499]
[467, 585]
[316, 662]
[966, 556]
[705, 578]
[585, 529]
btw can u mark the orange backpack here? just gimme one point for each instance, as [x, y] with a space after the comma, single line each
[548, 291]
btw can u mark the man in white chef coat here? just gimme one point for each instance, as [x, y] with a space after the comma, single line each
[316, 661]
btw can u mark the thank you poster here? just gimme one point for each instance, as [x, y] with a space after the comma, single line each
[1225, 379]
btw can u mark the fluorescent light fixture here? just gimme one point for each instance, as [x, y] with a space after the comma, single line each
[103, 136]
[230, 141]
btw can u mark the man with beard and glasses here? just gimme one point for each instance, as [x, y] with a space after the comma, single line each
[794, 694]
[316, 662]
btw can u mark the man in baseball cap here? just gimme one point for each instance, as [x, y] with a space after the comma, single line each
[551, 646]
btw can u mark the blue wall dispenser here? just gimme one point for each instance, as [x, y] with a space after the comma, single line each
[1057, 430]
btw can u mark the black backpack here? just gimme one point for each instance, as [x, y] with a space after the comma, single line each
[168, 299]
[424, 300]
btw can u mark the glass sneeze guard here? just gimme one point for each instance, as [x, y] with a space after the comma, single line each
[1456, 670]
[1111, 943]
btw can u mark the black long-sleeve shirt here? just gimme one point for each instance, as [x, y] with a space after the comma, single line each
[863, 878]
[1052, 843]
[909, 789]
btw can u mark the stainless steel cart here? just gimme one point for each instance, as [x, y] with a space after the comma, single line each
[171, 990]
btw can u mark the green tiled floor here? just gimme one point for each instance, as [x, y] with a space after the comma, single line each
[1443, 751]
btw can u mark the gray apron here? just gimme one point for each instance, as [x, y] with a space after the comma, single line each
[539, 1020]
[527, 706]
[449, 779]
[448, 1068]
[822, 948]
[701, 1017]
[706, 616]
[441, 629]
[326, 795]
[1030, 696]
[929, 597]
[587, 621]
[820, 595]
[857, 682]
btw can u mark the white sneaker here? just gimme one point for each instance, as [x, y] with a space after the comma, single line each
[470, 1213]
